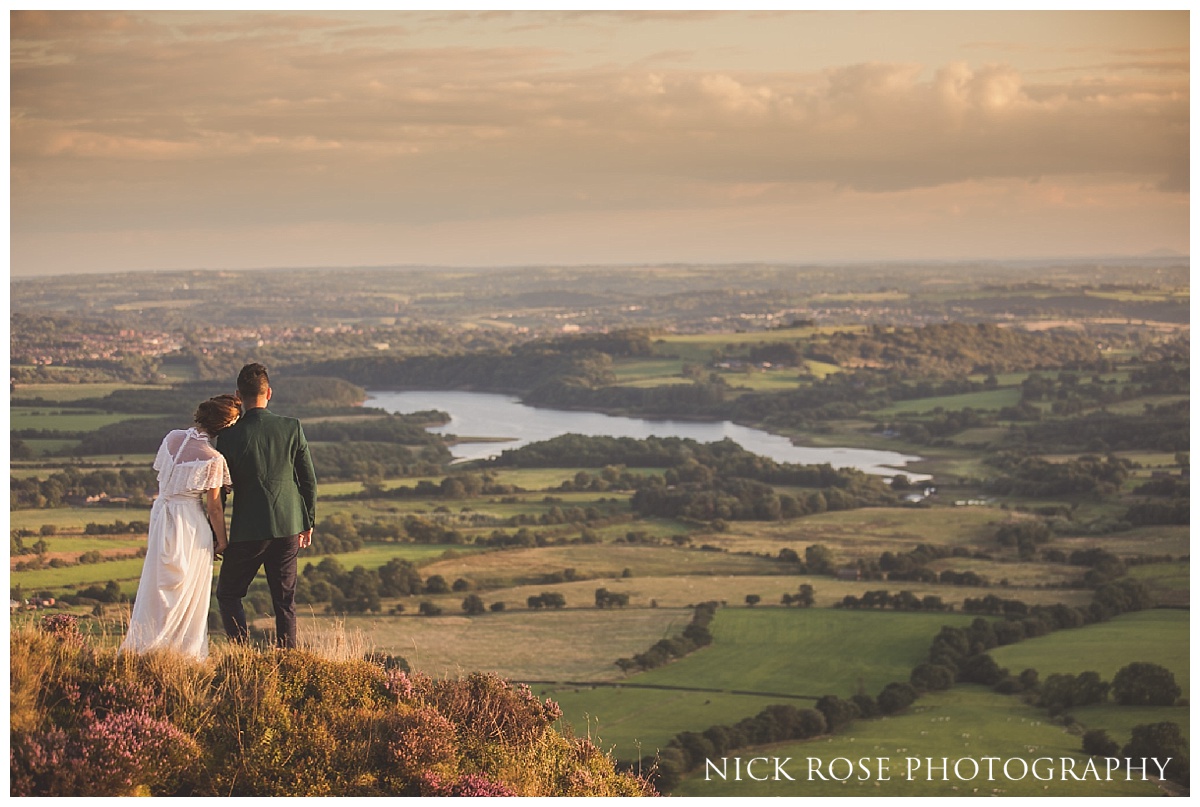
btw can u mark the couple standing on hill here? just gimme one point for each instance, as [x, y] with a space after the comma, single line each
[264, 458]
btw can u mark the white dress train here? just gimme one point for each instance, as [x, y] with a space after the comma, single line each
[171, 609]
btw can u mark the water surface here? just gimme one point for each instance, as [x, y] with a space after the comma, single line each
[489, 415]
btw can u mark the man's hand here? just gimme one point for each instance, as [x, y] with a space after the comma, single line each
[305, 538]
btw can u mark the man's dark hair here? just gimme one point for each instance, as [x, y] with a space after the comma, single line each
[252, 381]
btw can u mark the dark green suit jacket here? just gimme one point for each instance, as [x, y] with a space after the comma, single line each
[274, 485]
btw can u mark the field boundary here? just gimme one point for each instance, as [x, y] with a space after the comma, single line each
[673, 688]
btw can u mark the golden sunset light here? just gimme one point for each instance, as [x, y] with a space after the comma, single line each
[171, 139]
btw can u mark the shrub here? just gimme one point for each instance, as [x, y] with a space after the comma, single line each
[119, 754]
[1097, 743]
[1144, 684]
[85, 721]
[1161, 741]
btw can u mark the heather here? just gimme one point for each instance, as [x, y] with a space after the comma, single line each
[86, 721]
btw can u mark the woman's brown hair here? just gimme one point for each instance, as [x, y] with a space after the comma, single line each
[217, 413]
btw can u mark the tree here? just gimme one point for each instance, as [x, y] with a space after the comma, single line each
[436, 584]
[1160, 741]
[818, 559]
[473, 605]
[608, 599]
[427, 608]
[837, 712]
[1097, 743]
[753, 600]
[931, 677]
[895, 697]
[1144, 684]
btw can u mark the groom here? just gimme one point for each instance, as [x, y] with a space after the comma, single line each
[274, 507]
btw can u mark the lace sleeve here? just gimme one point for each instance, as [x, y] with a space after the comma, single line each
[166, 452]
[196, 477]
[207, 475]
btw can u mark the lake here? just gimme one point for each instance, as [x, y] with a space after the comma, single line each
[489, 416]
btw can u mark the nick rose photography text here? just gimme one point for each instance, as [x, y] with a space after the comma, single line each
[944, 769]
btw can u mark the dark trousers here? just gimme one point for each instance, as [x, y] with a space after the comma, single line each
[241, 563]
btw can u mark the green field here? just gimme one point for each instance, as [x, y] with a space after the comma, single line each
[569, 645]
[1159, 636]
[820, 369]
[125, 572]
[632, 722]
[128, 571]
[702, 347]
[764, 380]
[628, 371]
[756, 653]
[79, 543]
[50, 447]
[1137, 406]
[990, 399]
[64, 393]
[595, 561]
[1165, 578]
[866, 531]
[810, 652]
[74, 519]
[68, 420]
[967, 722]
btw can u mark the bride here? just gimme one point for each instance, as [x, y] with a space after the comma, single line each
[187, 529]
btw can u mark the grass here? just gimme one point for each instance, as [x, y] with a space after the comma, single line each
[631, 723]
[1164, 577]
[598, 560]
[1137, 406]
[374, 555]
[25, 417]
[531, 503]
[867, 531]
[1156, 636]
[701, 347]
[125, 572]
[1119, 721]
[631, 370]
[991, 399]
[216, 727]
[1159, 540]
[49, 447]
[809, 652]
[78, 543]
[821, 369]
[764, 380]
[67, 393]
[73, 519]
[570, 645]
[967, 721]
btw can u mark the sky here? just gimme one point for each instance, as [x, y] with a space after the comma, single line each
[150, 139]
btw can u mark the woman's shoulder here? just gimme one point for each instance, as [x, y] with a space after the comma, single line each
[173, 439]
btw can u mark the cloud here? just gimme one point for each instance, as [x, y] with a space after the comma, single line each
[284, 117]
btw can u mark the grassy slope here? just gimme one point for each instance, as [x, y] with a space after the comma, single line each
[1158, 636]
[789, 652]
[967, 721]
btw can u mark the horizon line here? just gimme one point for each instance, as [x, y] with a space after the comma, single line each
[1153, 256]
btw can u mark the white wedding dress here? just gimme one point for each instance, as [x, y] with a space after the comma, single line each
[171, 609]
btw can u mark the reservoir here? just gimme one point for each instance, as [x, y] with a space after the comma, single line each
[491, 416]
